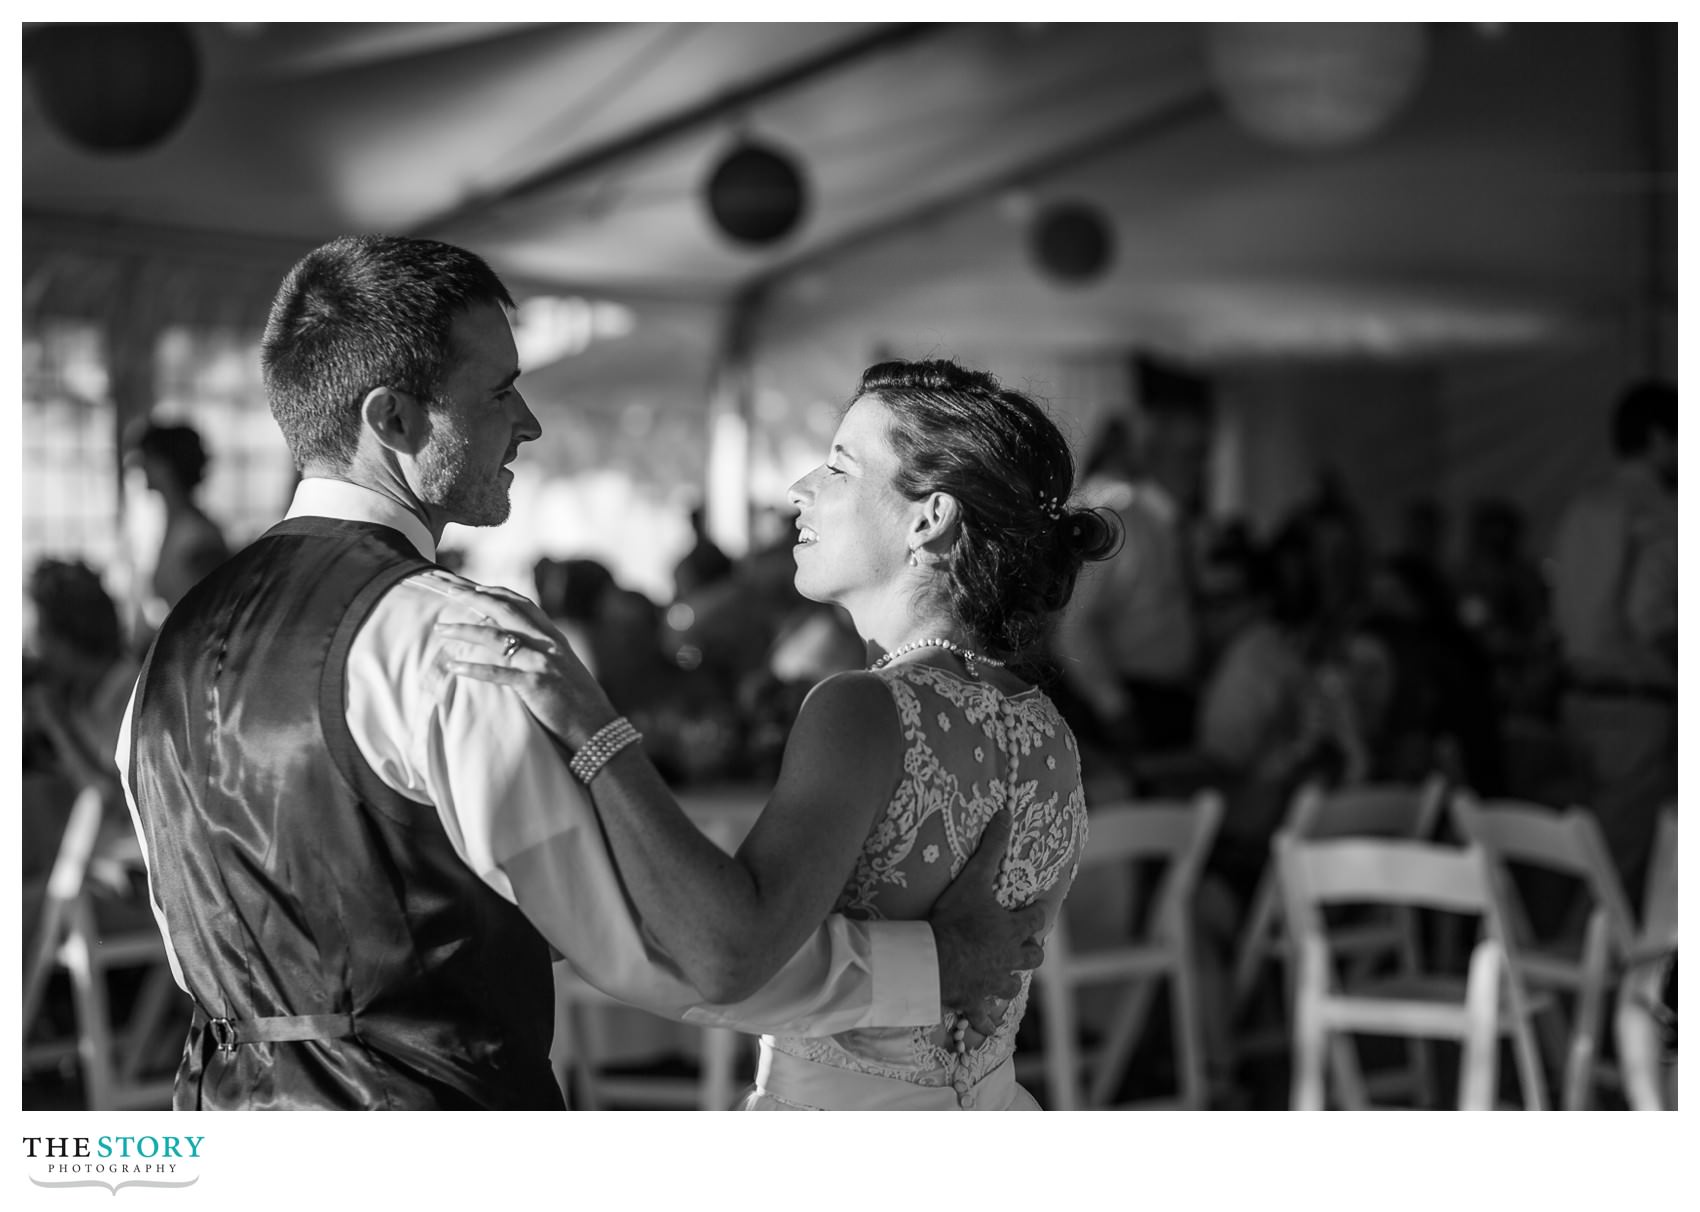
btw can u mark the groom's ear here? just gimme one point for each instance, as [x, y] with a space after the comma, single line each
[396, 418]
[934, 526]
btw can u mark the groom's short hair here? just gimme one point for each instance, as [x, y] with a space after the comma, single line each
[357, 313]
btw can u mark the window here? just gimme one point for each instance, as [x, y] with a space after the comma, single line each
[70, 445]
[210, 379]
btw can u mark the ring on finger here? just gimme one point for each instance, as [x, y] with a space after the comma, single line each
[512, 645]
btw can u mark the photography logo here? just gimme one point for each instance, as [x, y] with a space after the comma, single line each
[113, 1162]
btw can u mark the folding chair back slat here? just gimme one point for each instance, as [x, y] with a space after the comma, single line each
[1382, 871]
[1374, 810]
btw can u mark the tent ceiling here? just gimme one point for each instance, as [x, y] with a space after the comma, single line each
[573, 156]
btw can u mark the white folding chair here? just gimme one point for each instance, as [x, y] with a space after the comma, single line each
[1372, 810]
[1329, 1007]
[81, 934]
[1640, 1055]
[1570, 844]
[1178, 833]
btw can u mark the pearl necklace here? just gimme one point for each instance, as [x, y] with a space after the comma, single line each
[969, 657]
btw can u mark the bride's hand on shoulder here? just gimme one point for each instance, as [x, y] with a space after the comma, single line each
[521, 649]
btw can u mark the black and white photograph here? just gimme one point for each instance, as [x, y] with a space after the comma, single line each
[815, 566]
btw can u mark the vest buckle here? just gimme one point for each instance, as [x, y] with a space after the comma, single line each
[223, 1033]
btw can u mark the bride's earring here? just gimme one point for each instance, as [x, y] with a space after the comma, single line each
[914, 560]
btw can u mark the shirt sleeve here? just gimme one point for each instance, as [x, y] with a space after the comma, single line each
[1650, 598]
[1588, 550]
[519, 819]
[1082, 634]
[1236, 709]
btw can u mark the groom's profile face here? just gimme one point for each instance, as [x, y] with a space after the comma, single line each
[478, 421]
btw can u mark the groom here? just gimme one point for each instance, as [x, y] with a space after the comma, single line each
[362, 866]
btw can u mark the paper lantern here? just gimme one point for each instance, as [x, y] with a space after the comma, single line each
[1317, 84]
[113, 87]
[756, 194]
[1072, 242]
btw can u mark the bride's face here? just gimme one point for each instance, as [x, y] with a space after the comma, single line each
[852, 525]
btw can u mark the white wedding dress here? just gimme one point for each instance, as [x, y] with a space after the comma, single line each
[971, 751]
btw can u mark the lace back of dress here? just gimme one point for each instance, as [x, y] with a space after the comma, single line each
[971, 751]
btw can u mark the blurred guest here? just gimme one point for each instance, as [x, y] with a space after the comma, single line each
[1333, 529]
[1500, 588]
[174, 462]
[703, 564]
[1614, 602]
[616, 632]
[77, 674]
[1502, 598]
[1226, 597]
[77, 678]
[1422, 537]
[815, 642]
[726, 630]
[1128, 645]
[1267, 718]
[1422, 684]
[572, 602]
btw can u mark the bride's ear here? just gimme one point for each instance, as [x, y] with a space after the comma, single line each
[934, 527]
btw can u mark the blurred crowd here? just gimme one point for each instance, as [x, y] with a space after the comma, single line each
[1202, 654]
[82, 652]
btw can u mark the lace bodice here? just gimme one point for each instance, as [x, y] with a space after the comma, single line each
[970, 750]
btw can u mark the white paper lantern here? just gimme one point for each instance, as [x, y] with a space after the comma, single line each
[1317, 85]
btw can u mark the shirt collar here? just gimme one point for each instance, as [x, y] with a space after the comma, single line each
[324, 498]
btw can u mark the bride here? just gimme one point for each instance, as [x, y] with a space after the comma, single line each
[940, 522]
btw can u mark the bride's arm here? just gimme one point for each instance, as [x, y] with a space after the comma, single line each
[731, 922]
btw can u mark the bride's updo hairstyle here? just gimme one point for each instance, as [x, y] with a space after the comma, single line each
[1019, 544]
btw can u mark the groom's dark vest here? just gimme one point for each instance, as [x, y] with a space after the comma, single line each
[339, 952]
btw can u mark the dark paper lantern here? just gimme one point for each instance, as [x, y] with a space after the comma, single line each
[1072, 242]
[113, 87]
[756, 194]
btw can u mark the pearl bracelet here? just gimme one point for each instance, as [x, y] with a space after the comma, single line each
[612, 737]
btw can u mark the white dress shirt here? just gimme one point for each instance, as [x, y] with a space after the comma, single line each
[470, 752]
[1131, 616]
[1615, 579]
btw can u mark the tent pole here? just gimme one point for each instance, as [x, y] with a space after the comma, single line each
[728, 505]
[132, 332]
